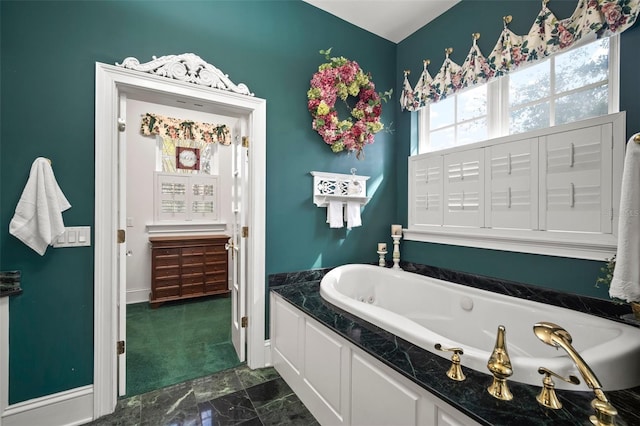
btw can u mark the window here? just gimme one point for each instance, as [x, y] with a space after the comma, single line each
[552, 191]
[571, 86]
[184, 197]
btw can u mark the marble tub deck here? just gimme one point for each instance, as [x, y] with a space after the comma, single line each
[238, 396]
[428, 370]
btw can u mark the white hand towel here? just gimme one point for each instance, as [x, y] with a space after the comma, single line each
[353, 214]
[37, 221]
[335, 217]
[626, 275]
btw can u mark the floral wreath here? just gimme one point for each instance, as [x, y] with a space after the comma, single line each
[341, 78]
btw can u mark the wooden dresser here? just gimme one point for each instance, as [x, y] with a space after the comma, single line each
[186, 267]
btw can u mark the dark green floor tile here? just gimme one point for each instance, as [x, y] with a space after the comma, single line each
[216, 385]
[177, 342]
[268, 393]
[229, 410]
[250, 377]
[288, 410]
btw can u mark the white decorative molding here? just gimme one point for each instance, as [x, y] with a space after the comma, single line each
[187, 67]
[112, 85]
[183, 228]
[71, 407]
[578, 246]
[4, 355]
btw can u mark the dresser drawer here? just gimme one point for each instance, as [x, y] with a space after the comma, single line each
[219, 275]
[166, 292]
[187, 251]
[217, 248]
[194, 268]
[192, 279]
[166, 271]
[161, 252]
[216, 287]
[187, 267]
[173, 281]
[191, 289]
[217, 257]
[167, 261]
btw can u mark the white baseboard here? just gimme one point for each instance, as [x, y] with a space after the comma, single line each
[68, 408]
[138, 295]
[267, 353]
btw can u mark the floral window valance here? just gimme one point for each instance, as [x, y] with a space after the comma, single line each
[547, 36]
[176, 128]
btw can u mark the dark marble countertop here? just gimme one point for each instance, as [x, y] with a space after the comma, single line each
[428, 370]
[10, 292]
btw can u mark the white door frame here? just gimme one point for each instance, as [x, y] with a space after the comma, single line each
[110, 82]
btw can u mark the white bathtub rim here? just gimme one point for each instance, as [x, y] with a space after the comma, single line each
[525, 368]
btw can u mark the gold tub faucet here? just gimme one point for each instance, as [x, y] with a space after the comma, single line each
[500, 366]
[556, 336]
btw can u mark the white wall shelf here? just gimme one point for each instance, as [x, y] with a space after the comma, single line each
[339, 187]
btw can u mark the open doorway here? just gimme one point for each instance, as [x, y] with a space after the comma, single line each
[113, 84]
[176, 333]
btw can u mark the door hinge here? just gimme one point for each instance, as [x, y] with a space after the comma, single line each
[122, 125]
[120, 347]
[121, 236]
[245, 141]
[245, 232]
[244, 322]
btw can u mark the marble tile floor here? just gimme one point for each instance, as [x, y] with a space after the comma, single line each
[239, 396]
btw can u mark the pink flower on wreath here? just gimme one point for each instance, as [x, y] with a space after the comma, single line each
[348, 72]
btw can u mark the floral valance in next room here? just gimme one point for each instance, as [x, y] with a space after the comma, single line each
[176, 128]
[547, 36]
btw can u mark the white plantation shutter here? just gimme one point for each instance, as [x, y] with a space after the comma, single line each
[425, 176]
[204, 193]
[512, 181]
[185, 197]
[464, 188]
[554, 191]
[575, 193]
[171, 197]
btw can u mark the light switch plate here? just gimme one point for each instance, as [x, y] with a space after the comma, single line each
[74, 236]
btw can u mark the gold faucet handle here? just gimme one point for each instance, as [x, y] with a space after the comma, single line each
[455, 371]
[547, 396]
[605, 413]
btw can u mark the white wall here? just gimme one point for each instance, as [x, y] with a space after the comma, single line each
[141, 163]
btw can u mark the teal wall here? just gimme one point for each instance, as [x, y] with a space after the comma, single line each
[48, 55]
[454, 29]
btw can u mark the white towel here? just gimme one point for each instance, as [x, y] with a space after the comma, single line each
[37, 221]
[335, 217]
[626, 275]
[353, 214]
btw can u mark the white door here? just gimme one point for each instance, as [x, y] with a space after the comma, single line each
[237, 243]
[122, 246]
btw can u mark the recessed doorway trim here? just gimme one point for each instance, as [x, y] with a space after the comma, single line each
[111, 81]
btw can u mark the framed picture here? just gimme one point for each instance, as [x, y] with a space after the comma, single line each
[187, 158]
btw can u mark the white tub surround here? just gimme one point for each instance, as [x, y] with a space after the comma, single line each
[426, 311]
[349, 371]
[343, 385]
